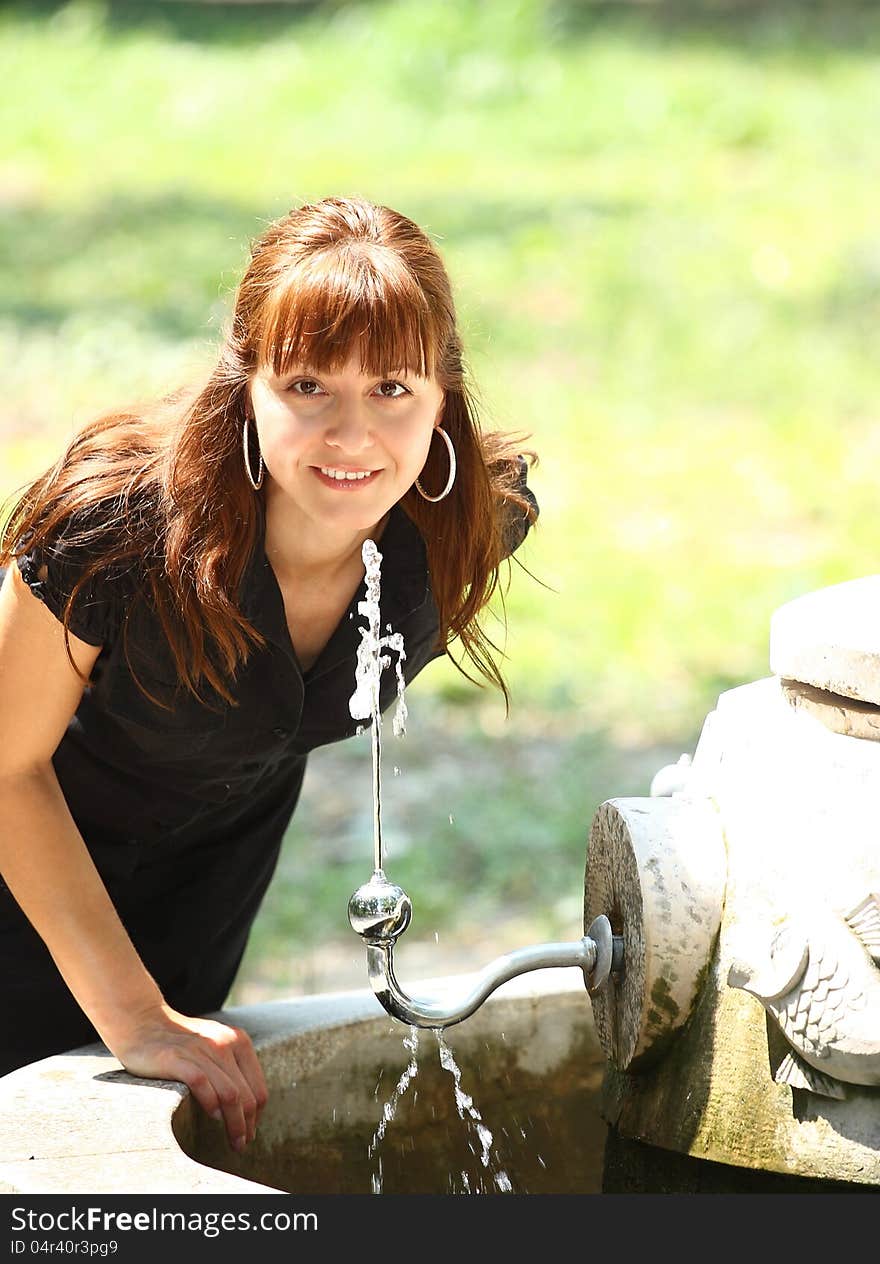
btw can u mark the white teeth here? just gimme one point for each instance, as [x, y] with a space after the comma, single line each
[345, 475]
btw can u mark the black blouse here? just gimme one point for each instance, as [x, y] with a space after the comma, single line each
[174, 771]
[183, 812]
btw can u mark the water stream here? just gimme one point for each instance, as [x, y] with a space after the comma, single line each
[371, 662]
[469, 1113]
[411, 1043]
[364, 705]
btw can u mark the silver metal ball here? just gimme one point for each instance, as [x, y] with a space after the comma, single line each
[379, 910]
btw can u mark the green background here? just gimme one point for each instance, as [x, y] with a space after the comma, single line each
[660, 221]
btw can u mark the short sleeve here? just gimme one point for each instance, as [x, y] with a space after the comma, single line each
[518, 521]
[52, 571]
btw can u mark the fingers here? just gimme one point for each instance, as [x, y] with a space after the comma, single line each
[249, 1065]
[220, 1094]
[216, 1061]
[242, 1089]
[238, 1060]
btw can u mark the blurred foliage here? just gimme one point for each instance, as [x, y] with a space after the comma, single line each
[660, 220]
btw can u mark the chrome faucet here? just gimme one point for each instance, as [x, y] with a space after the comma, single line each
[380, 912]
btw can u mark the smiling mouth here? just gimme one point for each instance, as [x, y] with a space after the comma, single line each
[343, 478]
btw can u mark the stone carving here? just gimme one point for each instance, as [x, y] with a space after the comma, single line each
[657, 867]
[772, 1061]
[837, 712]
[821, 983]
[671, 778]
[831, 639]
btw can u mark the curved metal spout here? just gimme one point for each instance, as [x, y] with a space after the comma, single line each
[380, 912]
[419, 1012]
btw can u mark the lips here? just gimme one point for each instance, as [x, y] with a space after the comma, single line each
[342, 478]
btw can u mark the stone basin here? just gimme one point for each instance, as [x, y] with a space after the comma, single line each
[529, 1058]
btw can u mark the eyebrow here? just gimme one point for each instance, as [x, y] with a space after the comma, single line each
[310, 371]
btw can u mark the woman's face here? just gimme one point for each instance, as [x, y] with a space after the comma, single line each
[344, 447]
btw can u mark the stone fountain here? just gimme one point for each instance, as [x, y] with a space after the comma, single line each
[734, 1045]
[745, 1028]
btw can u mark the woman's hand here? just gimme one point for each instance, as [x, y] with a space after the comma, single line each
[216, 1061]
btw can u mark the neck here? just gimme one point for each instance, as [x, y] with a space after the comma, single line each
[296, 546]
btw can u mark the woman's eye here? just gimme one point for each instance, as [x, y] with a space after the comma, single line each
[305, 381]
[382, 386]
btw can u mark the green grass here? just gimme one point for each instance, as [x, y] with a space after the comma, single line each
[485, 828]
[660, 220]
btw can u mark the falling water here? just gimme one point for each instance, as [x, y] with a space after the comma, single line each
[391, 1105]
[468, 1111]
[371, 662]
[464, 1104]
[364, 705]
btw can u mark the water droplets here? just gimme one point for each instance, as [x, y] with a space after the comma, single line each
[402, 1085]
[468, 1111]
[371, 661]
[479, 1142]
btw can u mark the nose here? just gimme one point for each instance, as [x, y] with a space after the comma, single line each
[350, 429]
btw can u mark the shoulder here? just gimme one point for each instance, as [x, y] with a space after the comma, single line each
[519, 507]
[79, 565]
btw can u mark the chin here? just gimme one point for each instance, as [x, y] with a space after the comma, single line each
[358, 517]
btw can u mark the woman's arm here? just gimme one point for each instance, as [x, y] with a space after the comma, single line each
[49, 871]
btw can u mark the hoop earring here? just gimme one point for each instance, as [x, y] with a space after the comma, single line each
[256, 483]
[452, 467]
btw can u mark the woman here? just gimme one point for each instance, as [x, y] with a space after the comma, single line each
[178, 632]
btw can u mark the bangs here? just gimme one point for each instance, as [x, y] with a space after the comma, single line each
[346, 302]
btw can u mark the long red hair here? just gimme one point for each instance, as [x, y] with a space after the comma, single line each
[160, 489]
